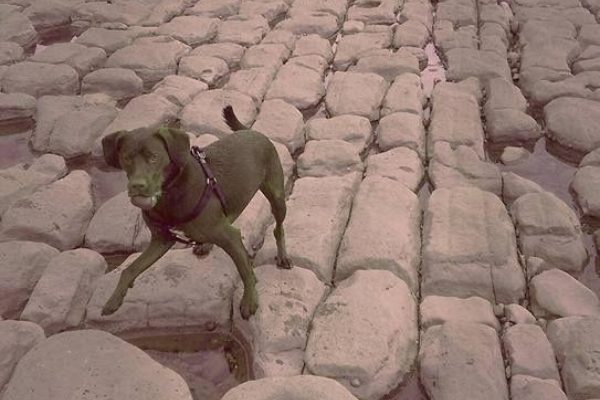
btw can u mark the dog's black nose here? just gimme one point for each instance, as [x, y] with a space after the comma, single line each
[138, 185]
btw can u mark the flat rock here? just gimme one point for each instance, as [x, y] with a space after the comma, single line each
[455, 118]
[16, 106]
[56, 214]
[108, 39]
[388, 65]
[270, 10]
[328, 157]
[179, 90]
[401, 129]
[462, 360]
[514, 155]
[382, 13]
[381, 236]
[179, 290]
[517, 314]
[405, 94]
[243, 30]
[355, 93]
[554, 293]
[474, 258]
[88, 358]
[549, 229]
[16, 27]
[265, 55]
[254, 82]
[302, 387]
[59, 298]
[351, 48]
[462, 167]
[190, 29]
[411, 33]
[523, 387]
[438, 310]
[447, 37]
[22, 263]
[150, 61]
[83, 59]
[464, 63]
[231, 53]
[10, 53]
[515, 186]
[300, 86]
[570, 122]
[23, 179]
[367, 302]
[575, 363]
[211, 70]
[281, 122]
[70, 126]
[148, 111]
[321, 24]
[317, 213]
[123, 13]
[118, 83]
[204, 113]
[511, 125]
[215, 8]
[503, 94]
[584, 185]
[400, 164]
[310, 45]
[279, 329]
[17, 338]
[39, 79]
[417, 11]
[288, 39]
[529, 352]
[117, 227]
[353, 129]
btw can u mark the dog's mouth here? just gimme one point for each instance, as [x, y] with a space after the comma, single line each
[144, 202]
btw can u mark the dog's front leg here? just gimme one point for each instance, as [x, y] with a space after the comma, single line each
[157, 248]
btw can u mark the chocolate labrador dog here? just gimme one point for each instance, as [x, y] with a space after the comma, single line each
[199, 193]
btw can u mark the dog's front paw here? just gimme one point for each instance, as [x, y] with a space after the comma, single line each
[113, 304]
[284, 262]
[202, 249]
[248, 306]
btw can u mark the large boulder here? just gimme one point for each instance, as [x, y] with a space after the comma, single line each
[93, 364]
[364, 334]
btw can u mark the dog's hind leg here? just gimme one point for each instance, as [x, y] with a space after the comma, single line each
[274, 191]
[229, 239]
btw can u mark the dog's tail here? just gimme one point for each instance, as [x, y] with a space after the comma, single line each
[232, 121]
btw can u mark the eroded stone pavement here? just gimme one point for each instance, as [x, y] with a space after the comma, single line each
[442, 163]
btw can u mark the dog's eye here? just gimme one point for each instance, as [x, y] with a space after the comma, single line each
[152, 158]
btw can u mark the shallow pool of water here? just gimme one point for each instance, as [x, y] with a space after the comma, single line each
[211, 363]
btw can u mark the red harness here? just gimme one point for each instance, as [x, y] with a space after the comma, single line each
[211, 187]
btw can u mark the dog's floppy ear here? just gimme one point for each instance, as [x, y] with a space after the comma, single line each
[110, 147]
[177, 144]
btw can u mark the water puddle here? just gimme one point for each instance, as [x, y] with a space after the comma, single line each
[411, 389]
[14, 149]
[554, 175]
[211, 363]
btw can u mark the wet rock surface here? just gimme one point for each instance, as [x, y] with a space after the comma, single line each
[440, 163]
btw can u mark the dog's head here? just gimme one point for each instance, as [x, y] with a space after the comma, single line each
[150, 160]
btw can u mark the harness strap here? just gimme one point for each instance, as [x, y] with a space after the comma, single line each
[211, 187]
